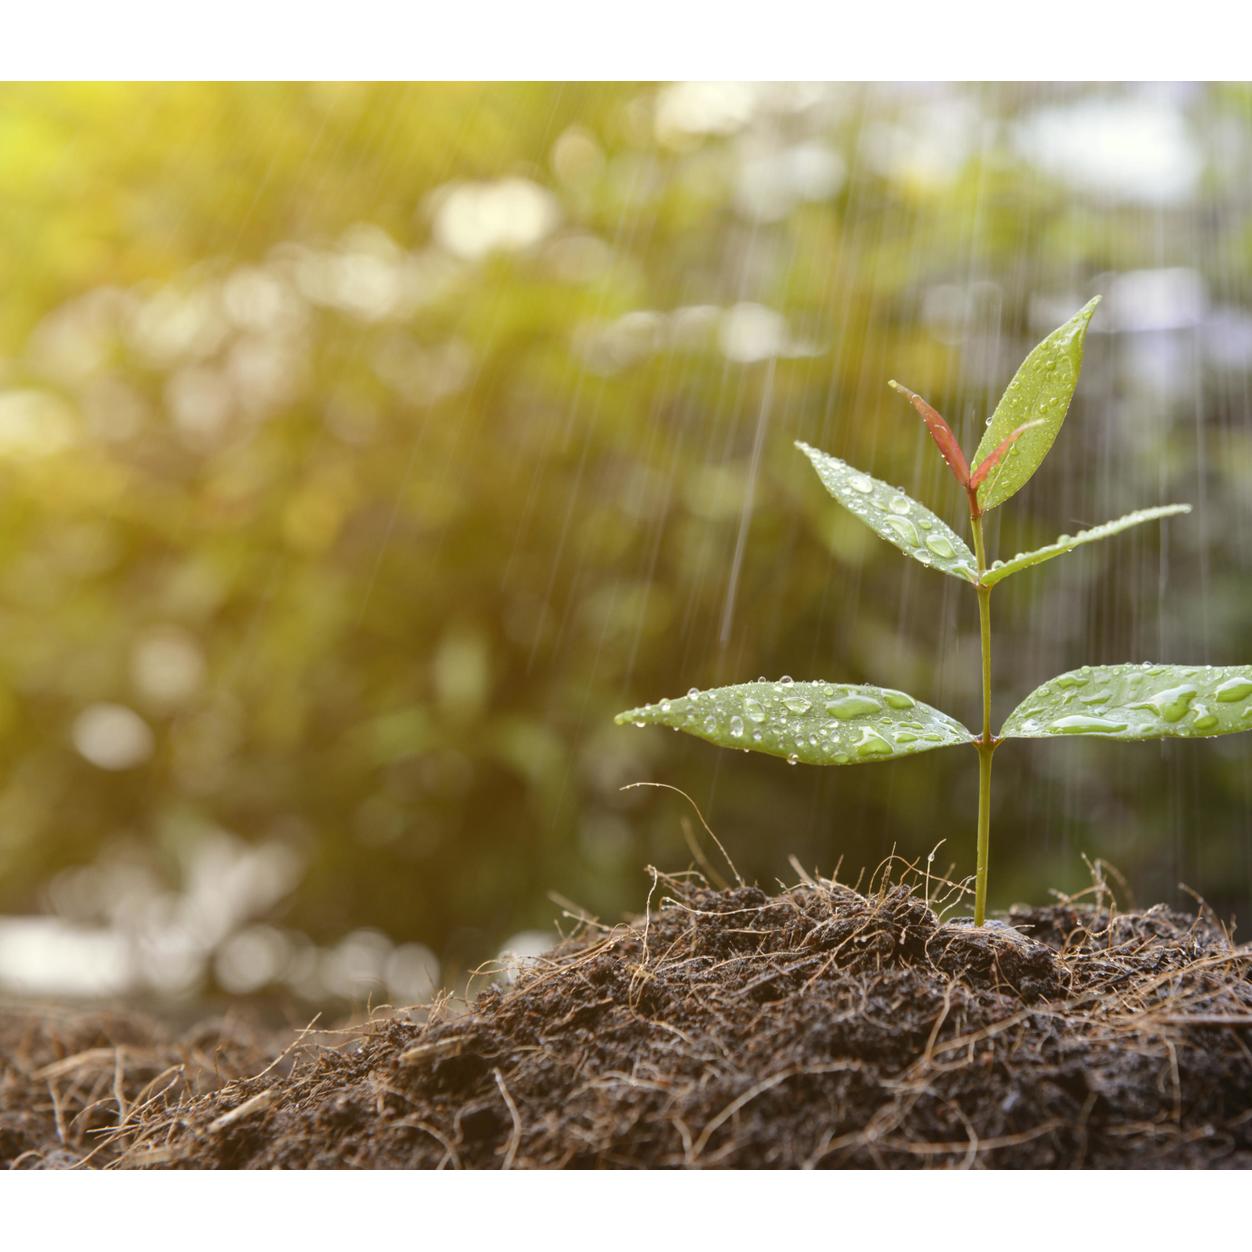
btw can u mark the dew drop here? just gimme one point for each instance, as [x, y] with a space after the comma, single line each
[898, 700]
[1084, 724]
[1203, 719]
[786, 680]
[905, 736]
[858, 482]
[792, 759]
[852, 706]
[693, 692]
[903, 529]
[1071, 680]
[940, 547]
[710, 725]
[1172, 704]
[898, 505]
[871, 743]
[754, 710]
[736, 726]
[1234, 689]
[666, 706]
[798, 704]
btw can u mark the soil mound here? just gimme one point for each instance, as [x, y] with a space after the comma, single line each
[817, 1027]
[74, 1085]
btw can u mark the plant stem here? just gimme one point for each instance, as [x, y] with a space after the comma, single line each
[986, 745]
[984, 830]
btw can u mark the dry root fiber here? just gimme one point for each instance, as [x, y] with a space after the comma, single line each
[818, 1027]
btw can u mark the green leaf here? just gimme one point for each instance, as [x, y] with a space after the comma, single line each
[1000, 570]
[818, 723]
[898, 518]
[1138, 702]
[1041, 389]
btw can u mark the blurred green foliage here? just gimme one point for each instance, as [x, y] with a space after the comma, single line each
[364, 448]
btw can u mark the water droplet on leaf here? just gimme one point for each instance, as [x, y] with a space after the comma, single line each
[1234, 689]
[852, 706]
[871, 743]
[1084, 724]
[1171, 705]
[903, 529]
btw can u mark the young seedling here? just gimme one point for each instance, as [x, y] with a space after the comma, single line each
[828, 723]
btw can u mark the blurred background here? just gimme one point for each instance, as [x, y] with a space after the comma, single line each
[364, 449]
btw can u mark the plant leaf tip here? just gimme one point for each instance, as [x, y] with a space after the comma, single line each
[1087, 312]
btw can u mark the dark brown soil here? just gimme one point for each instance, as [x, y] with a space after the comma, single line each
[818, 1027]
[69, 1080]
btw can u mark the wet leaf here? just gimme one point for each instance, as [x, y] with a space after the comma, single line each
[1138, 702]
[997, 454]
[898, 518]
[1041, 390]
[819, 723]
[943, 435]
[1067, 543]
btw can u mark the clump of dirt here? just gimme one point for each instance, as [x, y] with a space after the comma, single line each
[74, 1085]
[817, 1027]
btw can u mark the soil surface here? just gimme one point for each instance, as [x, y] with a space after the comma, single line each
[725, 1028]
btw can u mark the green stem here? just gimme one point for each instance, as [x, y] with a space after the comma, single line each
[986, 745]
[984, 831]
